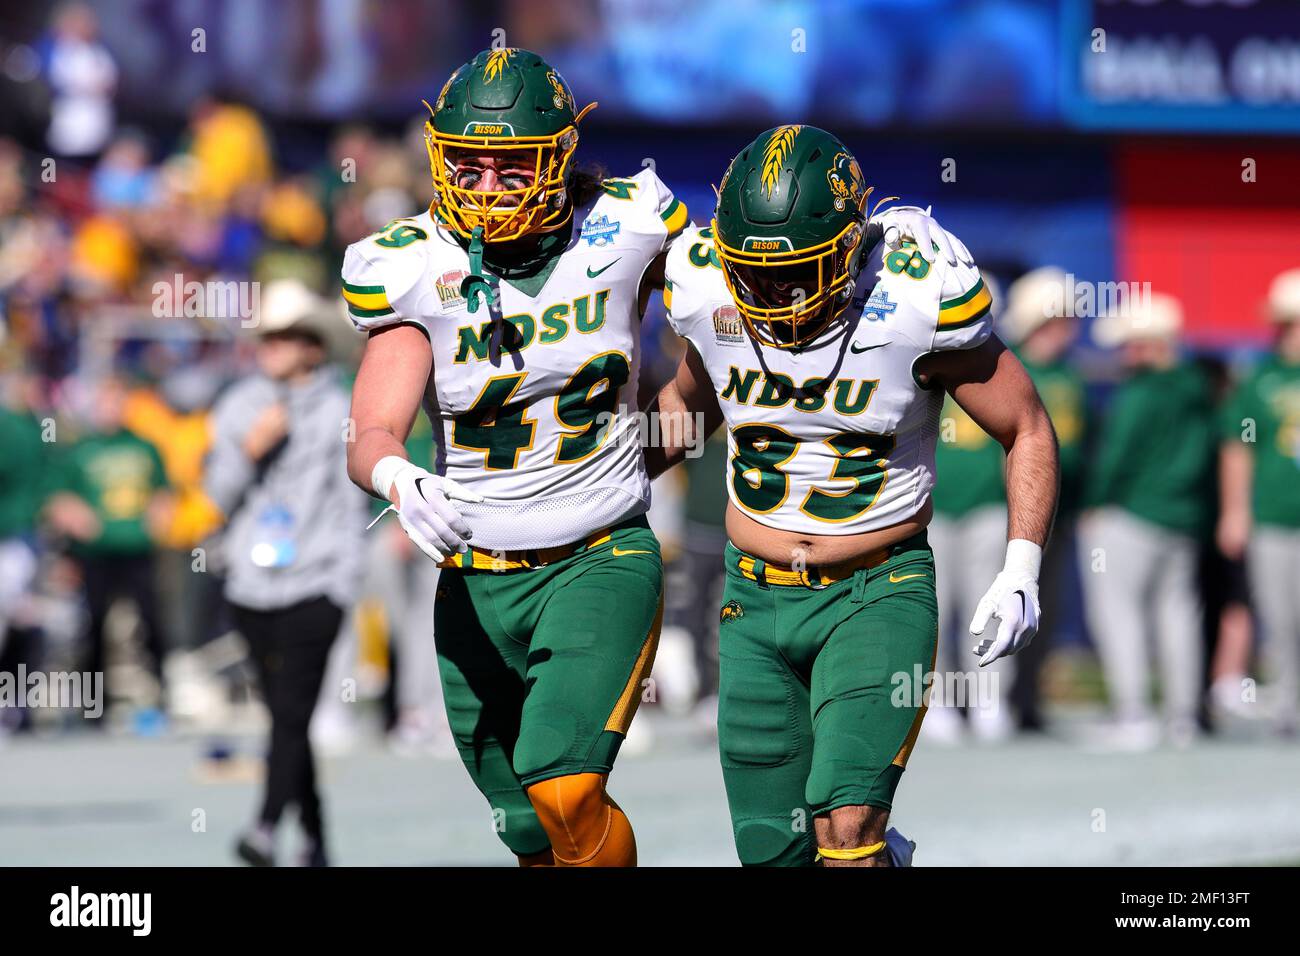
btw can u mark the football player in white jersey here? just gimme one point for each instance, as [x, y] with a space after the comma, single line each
[511, 311]
[827, 352]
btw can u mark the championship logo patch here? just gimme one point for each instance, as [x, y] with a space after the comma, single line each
[878, 307]
[599, 231]
[731, 611]
[448, 286]
[726, 325]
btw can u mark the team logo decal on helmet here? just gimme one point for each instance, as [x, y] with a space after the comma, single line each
[562, 95]
[845, 179]
[442, 97]
[774, 154]
[496, 64]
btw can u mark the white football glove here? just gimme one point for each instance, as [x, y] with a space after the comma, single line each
[1013, 600]
[426, 512]
[915, 223]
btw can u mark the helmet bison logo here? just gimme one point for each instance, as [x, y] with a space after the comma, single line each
[562, 96]
[442, 97]
[845, 180]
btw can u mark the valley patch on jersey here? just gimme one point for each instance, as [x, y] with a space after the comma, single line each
[837, 438]
[532, 397]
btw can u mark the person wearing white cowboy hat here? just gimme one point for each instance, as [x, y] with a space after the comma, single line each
[1153, 321]
[292, 539]
[1259, 469]
[1146, 514]
[289, 308]
[1041, 326]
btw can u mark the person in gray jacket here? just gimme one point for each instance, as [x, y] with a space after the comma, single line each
[291, 546]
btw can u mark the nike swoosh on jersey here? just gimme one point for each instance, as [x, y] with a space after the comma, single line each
[866, 348]
[897, 579]
[592, 275]
[618, 554]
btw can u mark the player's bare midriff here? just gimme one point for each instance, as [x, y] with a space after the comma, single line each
[782, 547]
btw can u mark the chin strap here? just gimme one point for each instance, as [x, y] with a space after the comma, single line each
[474, 285]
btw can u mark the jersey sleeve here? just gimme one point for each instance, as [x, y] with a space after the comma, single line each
[651, 208]
[686, 299]
[965, 309]
[381, 286]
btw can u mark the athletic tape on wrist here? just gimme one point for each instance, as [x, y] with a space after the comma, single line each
[1023, 555]
[385, 473]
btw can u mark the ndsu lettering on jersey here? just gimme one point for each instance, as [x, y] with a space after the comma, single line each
[586, 314]
[775, 390]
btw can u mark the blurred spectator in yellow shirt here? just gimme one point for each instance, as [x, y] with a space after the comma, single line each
[104, 255]
[177, 423]
[232, 149]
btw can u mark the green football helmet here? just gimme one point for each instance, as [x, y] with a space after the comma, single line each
[788, 228]
[504, 101]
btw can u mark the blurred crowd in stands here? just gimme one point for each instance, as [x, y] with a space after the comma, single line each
[1178, 540]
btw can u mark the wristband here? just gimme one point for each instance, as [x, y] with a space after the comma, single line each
[1024, 555]
[385, 473]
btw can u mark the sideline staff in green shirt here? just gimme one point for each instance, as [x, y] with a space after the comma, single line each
[1259, 473]
[1148, 499]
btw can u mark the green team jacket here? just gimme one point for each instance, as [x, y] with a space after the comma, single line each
[1264, 412]
[117, 475]
[970, 464]
[1155, 454]
[22, 471]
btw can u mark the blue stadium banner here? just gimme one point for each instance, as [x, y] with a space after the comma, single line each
[1192, 65]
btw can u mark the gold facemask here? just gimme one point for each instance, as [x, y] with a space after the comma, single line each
[505, 214]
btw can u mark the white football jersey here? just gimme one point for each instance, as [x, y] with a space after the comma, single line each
[837, 438]
[532, 398]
